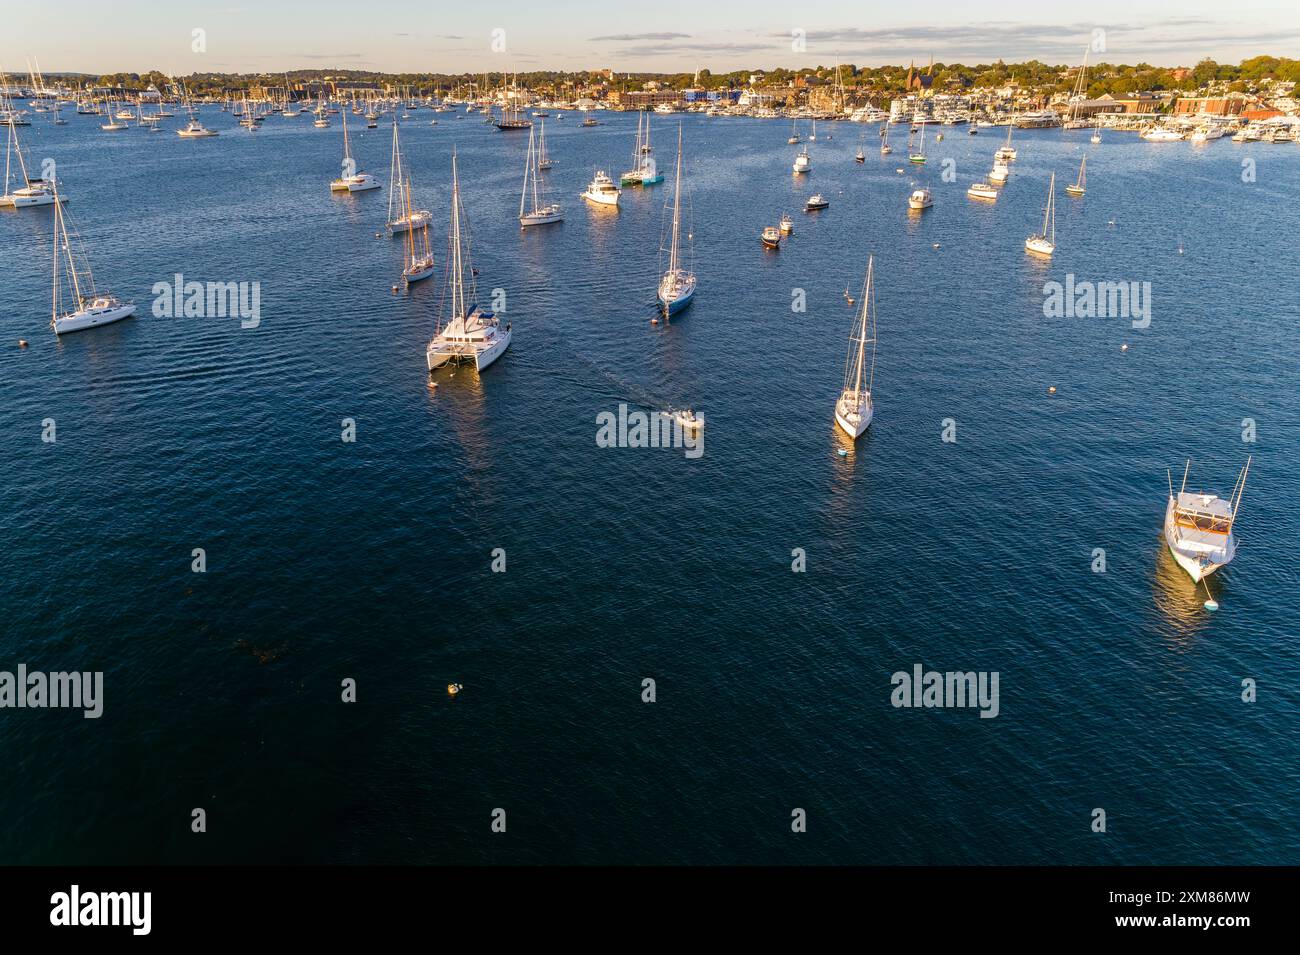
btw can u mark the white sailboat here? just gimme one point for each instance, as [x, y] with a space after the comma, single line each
[471, 333]
[1081, 184]
[402, 217]
[854, 410]
[76, 303]
[541, 212]
[544, 160]
[885, 148]
[677, 285]
[352, 180]
[1044, 243]
[1006, 152]
[419, 256]
[32, 192]
[1198, 527]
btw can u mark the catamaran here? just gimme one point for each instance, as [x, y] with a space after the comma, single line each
[854, 410]
[1198, 527]
[352, 180]
[401, 216]
[541, 211]
[677, 285]
[1080, 184]
[76, 303]
[471, 333]
[1044, 243]
[32, 192]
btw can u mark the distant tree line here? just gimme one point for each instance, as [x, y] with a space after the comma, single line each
[1103, 78]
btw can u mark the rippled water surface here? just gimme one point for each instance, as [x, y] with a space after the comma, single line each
[371, 560]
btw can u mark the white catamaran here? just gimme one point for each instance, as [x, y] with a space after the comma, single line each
[352, 180]
[677, 286]
[854, 410]
[77, 304]
[471, 333]
[32, 192]
[1198, 527]
[540, 212]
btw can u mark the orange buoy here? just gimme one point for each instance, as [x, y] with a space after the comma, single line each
[453, 689]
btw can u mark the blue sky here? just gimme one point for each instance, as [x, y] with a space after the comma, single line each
[96, 36]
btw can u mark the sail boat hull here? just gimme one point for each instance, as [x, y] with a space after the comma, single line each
[541, 217]
[676, 294]
[92, 318]
[853, 416]
[416, 220]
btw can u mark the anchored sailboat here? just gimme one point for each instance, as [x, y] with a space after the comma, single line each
[541, 212]
[1044, 243]
[352, 179]
[677, 285]
[544, 160]
[471, 333]
[419, 257]
[76, 303]
[401, 216]
[854, 410]
[1080, 184]
[32, 192]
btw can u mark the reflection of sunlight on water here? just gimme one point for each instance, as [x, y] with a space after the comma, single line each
[844, 504]
[457, 392]
[1181, 601]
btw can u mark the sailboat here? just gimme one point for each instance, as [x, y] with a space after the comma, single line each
[544, 160]
[677, 285]
[633, 176]
[76, 303]
[401, 217]
[32, 192]
[1006, 152]
[1044, 243]
[853, 411]
[649, 172]
[541, 212]
[1198, 527]
[812, 137]
[419, 257]
[885, 148]
[1080, 184]
[794, 133]
[352, 180]
[918, 156]
[1096, 136]
[860, 156]
[471, 333]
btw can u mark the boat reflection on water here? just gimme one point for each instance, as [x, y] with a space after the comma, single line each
[1180, 602]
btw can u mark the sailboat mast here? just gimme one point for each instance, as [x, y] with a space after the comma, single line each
[677, 204]
[458, 278]
[862, 335]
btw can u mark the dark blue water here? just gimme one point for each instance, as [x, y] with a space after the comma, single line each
[371, 560]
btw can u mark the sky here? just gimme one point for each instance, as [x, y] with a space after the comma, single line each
[454, 36]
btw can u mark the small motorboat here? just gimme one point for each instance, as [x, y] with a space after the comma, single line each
[771, 237]
[817, 202]
[787, 225]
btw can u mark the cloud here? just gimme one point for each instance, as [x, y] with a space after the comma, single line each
[636, 37]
